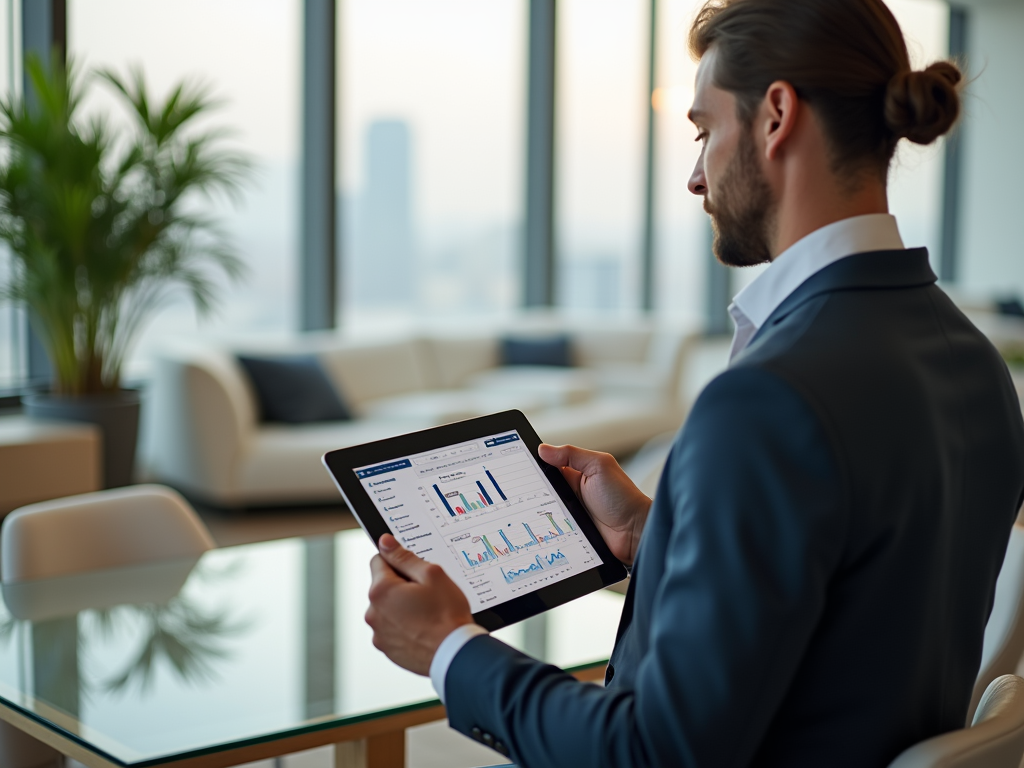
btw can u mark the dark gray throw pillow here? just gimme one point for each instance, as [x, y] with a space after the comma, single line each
[1011, 307]
[294, 389]
[547, 350]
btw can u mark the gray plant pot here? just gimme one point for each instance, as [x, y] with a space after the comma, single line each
[117, 416]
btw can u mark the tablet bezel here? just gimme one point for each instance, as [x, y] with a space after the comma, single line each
[341, 466]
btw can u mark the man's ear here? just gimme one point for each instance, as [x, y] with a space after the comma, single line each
[779, 113]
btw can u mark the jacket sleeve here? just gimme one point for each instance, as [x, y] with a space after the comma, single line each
[754, 491]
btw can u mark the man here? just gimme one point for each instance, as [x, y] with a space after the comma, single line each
[812, 581]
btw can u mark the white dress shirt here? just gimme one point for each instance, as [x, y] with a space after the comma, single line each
[754, 304]
[445, 654]
[750, 309]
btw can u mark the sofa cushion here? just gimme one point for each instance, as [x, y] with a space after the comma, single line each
[554, 387]
[293, 390]
[617, 425]
[602, 345]
[370, 370]
[446, 406]
[453, 359]
[540, 350]
[631, 379]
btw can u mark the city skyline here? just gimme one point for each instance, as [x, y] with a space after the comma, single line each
[383, 254]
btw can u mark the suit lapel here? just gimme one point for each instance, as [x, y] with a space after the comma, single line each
[875, 269]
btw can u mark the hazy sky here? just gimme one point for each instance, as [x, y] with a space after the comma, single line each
[453, 68]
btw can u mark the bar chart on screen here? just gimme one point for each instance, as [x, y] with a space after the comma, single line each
[513, 537]
[525, 551]
[497, 486]
[467, 496]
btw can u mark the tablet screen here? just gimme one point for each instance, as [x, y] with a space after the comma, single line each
[484, 511]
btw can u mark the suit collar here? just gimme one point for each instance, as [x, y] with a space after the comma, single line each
[875, 269]
[809, 255]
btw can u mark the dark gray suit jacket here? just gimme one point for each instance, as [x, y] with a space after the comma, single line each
[814, 579]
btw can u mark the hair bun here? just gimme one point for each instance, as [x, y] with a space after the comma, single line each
[923, 105]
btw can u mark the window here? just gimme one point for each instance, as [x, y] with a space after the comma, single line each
[431, 149]
[916, 176]
[682, 234]
[12, 331]
[601, 132]
[12, 335]
[247, 51]
[431, 153]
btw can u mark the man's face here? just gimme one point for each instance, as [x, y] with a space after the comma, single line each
[729, 176]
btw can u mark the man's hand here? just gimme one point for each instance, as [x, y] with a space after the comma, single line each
[414, 606]
[617, 506]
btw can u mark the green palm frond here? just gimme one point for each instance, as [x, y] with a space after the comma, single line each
[8, 625]
[102, 224]
[191, 639]
[1014, 356]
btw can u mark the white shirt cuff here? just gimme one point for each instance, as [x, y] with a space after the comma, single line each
[446, 651]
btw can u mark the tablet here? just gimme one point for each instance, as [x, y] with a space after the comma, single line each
[474, 498]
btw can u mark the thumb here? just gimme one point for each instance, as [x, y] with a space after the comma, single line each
[587, 462]
[402, 560]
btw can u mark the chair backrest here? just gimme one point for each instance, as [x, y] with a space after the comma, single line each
[994, 740]
[1004, 633]
[94, 531]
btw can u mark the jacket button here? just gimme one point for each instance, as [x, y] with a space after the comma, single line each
[476, 733]
[500, 748]
[488, 740]
[609, 674]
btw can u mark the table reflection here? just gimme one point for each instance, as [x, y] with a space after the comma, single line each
[52, 626]
[245, 643]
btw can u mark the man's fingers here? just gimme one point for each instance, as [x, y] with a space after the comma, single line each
[587, 462]
[383, 578]
[402, 560]
[381, 572]
[572, 477]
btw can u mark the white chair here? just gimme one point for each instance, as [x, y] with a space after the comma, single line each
[89, 533]
[1004, 633]
[93, 531]
[994, 740]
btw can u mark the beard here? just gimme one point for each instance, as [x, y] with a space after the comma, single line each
[742, 213]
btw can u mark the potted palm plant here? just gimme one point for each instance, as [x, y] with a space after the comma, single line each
[103, 225]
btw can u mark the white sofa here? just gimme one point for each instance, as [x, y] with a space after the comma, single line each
[201, 432]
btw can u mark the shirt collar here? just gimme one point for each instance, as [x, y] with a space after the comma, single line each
[809, 255]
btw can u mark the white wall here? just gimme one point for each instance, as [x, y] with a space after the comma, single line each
[992, 199]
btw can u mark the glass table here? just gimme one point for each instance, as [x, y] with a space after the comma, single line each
[248, 653]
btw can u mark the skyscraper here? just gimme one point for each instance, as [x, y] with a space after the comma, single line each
[383, 242]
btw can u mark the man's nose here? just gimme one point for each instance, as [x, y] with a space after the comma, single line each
[698, 184]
